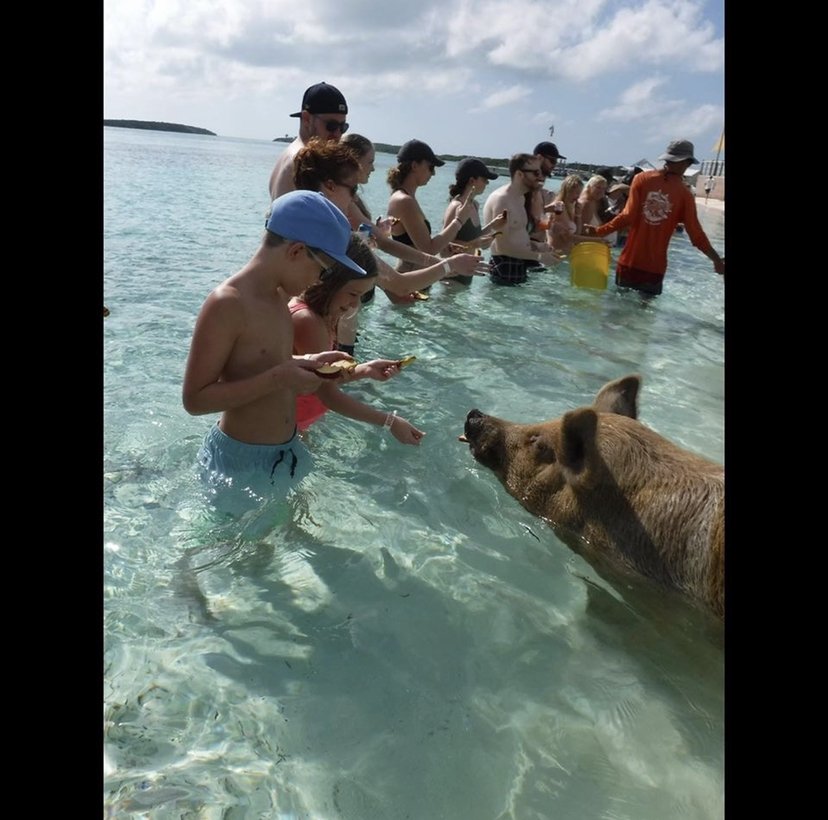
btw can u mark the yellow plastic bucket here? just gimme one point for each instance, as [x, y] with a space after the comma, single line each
[589, 265]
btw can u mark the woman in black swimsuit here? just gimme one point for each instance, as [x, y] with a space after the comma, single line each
[415, 167]
[471, 176]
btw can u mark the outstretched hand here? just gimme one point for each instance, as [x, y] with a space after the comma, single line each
[468, 264]
[383, 226]
[499, 222]
[405, 432]
[551, 257]
[379, 369]
[310, 361]
[466, 208]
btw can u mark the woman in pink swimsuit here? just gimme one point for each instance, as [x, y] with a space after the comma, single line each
[315, 315]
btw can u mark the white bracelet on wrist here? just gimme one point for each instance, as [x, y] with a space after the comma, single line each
[389, 419]
[446, 266]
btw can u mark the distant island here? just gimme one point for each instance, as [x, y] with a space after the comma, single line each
[159, 126]
[385, 148]
[500, 165]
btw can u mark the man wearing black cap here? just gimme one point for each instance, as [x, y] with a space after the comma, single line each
[323, 115]
[658, 201]
[548, 156]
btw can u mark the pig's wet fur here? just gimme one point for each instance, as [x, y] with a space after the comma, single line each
[615, 490]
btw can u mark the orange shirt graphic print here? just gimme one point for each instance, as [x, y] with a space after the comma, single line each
[657, 207]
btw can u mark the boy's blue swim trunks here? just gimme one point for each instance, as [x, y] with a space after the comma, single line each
[241, 476]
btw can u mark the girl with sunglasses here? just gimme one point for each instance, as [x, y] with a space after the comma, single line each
[316, 314]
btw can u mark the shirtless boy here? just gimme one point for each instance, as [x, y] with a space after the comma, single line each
[513, 250]
[323, 115]
[240, 362]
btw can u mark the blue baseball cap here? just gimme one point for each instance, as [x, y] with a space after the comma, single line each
[307, 216]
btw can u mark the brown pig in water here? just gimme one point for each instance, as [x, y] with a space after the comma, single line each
[614, 489]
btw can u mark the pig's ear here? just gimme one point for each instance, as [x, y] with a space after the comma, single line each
[578, 453]
[619, 397]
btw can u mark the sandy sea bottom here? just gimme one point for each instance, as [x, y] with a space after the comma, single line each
[402, 639]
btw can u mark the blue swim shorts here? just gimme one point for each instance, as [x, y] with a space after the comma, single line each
[240, 476]
[508, 270]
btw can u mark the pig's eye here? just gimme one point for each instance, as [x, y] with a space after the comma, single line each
[543, 450]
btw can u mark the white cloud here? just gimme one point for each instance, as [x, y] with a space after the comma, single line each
[639, 101]
[500, 98]
[582, 39]
[660, 117]
[510, 62]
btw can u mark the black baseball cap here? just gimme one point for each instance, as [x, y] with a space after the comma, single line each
[472, 167]
[416, 151]
[606, 173]
[323, 99]
[548, 150]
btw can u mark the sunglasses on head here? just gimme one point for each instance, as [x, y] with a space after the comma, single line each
[336, 125]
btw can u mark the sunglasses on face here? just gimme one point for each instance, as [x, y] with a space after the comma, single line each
[336, 125]
[324, 266]
[536, 171]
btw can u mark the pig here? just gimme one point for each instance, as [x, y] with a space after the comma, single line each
[615, 490]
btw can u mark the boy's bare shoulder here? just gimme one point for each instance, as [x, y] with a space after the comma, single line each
[226, 290]
[224, 296]
[224, 303]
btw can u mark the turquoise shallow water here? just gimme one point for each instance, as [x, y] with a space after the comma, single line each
[405, 640]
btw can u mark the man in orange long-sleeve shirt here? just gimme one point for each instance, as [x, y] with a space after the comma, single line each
[658, 201]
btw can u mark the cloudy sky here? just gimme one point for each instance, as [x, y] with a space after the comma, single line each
[617, 79]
